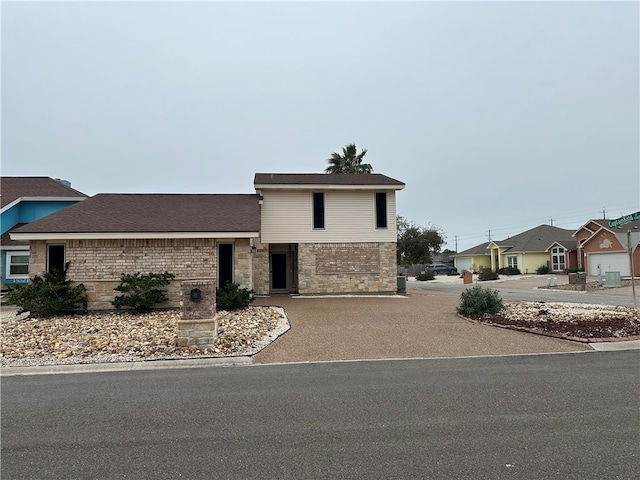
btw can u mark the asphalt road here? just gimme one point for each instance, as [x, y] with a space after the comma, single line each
[571, 416]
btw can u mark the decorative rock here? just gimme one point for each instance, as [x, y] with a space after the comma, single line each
[130, 337]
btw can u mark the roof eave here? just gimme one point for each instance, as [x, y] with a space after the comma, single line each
[41, 199]
[321, 186]
[129, 235]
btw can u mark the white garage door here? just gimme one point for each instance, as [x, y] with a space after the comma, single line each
[463, 264]
[609, 262]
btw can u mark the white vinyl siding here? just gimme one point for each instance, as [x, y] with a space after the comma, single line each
[350, 216]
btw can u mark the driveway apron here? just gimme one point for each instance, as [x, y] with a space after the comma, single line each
[422, 324]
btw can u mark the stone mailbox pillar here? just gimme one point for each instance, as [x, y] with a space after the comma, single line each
[198, 325]
[467, 277]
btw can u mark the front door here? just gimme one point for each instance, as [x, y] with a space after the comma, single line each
[279, 271]
[283, 268]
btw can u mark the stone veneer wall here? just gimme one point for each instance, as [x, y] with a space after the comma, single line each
[261, 269]
[326, 268]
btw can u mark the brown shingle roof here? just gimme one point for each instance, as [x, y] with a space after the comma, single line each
[537, 239]
[354, 179]
[5, 239]
[12, 188]
[477, 250]
[129, 213]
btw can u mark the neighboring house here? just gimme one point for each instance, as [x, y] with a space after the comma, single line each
[25, 200]
[544, 245]
[306, 233]
[603, 249]
[473, 259]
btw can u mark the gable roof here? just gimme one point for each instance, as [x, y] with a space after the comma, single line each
[477, 250]
[604, 223]
[569, 245]
[34, 188]
[536, 239]
[292, 180]
[149, 216]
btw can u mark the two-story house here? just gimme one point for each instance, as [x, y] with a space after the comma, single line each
[306, 234]
[25, 200]
[328, 233]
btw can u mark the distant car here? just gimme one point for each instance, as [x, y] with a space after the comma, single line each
[438, 268]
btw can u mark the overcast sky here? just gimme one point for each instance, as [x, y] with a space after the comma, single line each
[498, 116]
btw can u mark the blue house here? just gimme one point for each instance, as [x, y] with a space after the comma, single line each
[24, 200]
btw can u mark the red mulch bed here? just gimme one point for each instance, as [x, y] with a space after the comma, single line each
[602, 329]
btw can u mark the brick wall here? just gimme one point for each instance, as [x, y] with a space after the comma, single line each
[99, 263]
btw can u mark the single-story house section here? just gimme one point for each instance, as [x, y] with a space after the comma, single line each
[526, 251]
[602, 249]
[195, 237]
[25, 200]
[299, 233]
[473, 259]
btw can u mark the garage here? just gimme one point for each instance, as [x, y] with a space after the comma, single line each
[609, 262]
[463, 264]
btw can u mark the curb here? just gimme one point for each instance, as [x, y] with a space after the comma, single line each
[126, 366]
[597, 343]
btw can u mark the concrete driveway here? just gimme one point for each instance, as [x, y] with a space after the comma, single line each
[422, 324]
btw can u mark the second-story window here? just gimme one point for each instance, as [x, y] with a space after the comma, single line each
[381, 210]
[318, 210]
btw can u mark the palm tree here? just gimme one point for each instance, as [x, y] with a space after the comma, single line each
[349, 162]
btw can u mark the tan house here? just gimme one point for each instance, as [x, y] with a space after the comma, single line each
[544, 245]
[299, 233]
[603, 249]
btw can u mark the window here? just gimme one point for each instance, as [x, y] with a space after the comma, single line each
[225, 264]
[17, 265]
[381, 210]
[55, 257]
[558, 259]
[318, 210]
[512, 261]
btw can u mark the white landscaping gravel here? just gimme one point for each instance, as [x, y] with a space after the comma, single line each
[129, 337]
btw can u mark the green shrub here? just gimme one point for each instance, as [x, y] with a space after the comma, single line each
[487, 274]
[49, 295]
[142, 290]
[425, 276]
[481, 300]
[509, 271]
[232, 297]
[542, 270]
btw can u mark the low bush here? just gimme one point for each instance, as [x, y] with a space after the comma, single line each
[542, 270]
[423, 276]
[49, 295]
[142, 290]
[487, 274]
[509, 271]
[480, 300]
[232, 297]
